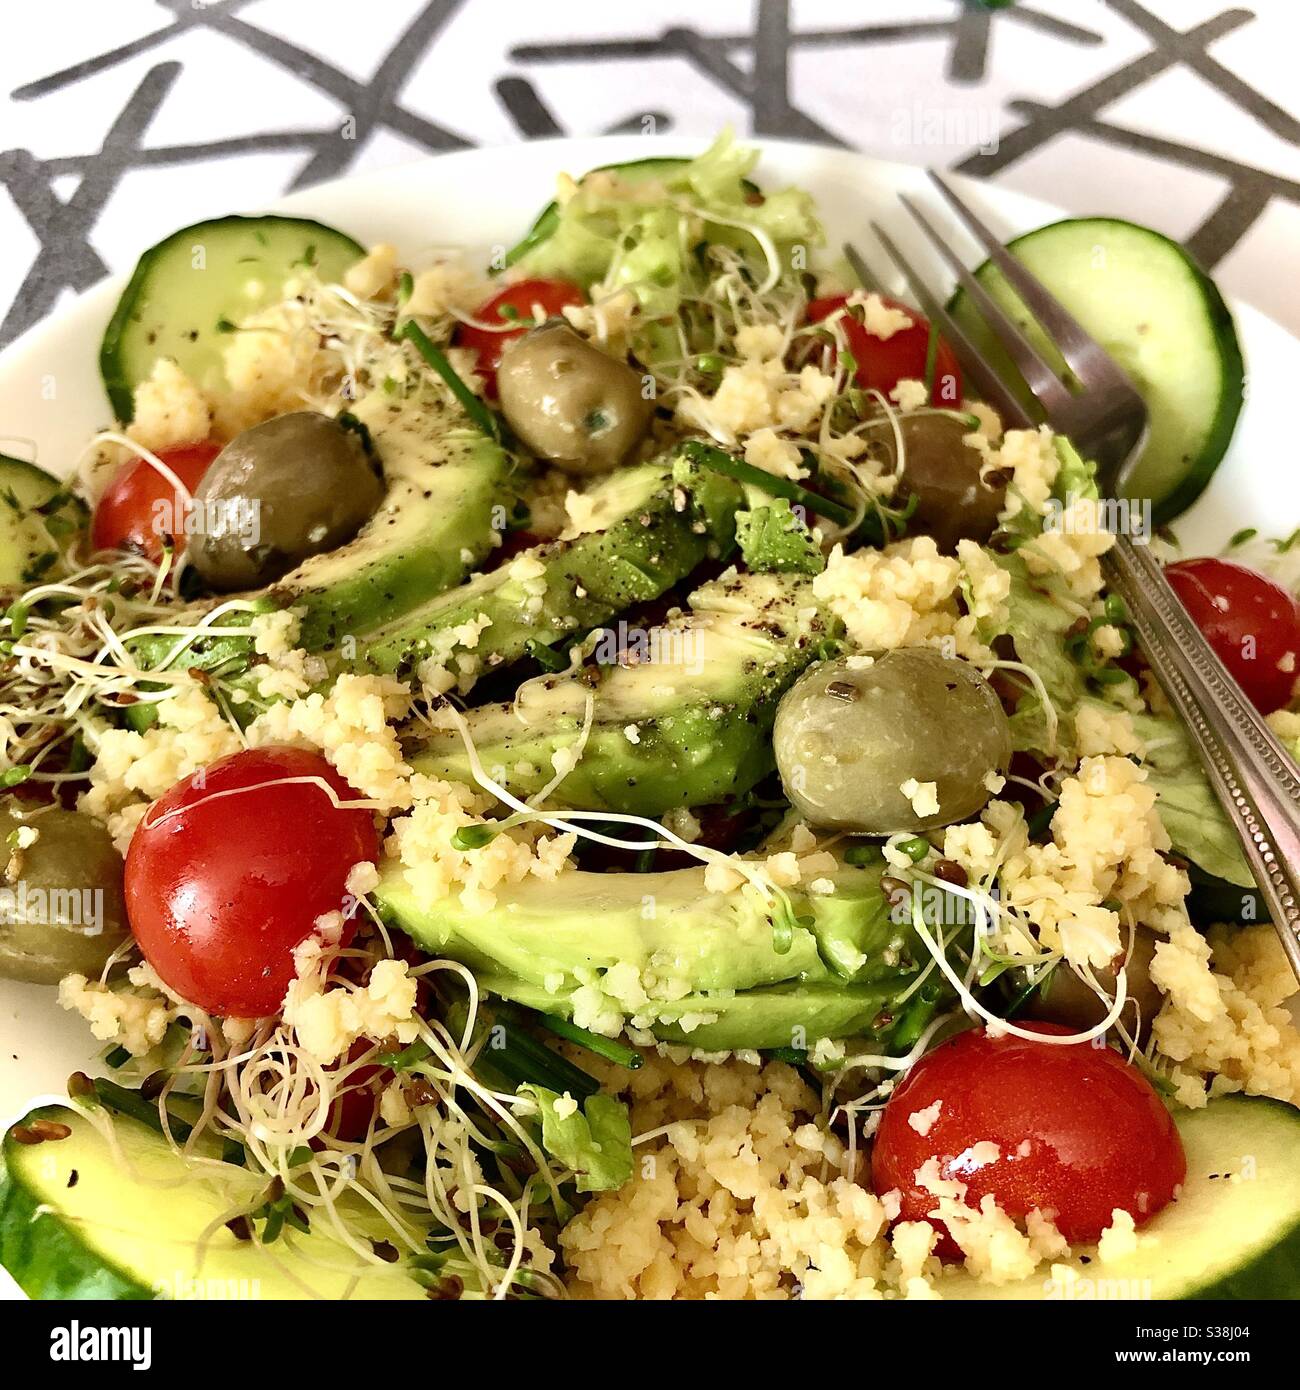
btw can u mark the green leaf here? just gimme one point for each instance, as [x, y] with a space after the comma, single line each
[647, 235]
[1191, 813]
[1077, 476]
[1038, 626]
[595, 1141]
[774, 540]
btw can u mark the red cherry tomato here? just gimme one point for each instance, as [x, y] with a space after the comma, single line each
[350, 1113]
[884, 362]
[220, 893]
[1079, 1132]
[531, 301]
[129, 515]
[1252, 623]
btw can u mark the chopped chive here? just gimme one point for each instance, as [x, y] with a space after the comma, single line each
[719, 461]
[524, 1060]
[484, 418]
[405, 286]
[607, 1048]
[136, 1107]
[118, 1057]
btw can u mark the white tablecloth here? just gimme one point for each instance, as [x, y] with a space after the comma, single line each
[124, 119]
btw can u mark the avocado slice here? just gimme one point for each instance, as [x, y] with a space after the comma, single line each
[446, 481]
[654, 523]
[710, 961]
[447, 489]
[682, 712]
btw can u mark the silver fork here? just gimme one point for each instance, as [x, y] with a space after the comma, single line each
[1103, 414]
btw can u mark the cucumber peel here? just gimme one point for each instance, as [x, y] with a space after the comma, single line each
[1145, 300]
[189, 291]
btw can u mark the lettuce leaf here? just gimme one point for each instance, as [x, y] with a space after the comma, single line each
[1038, 626]
[642, 227]
[773, 540]
[1191, 813]
[1189, 809]
[1076, 476]
[594, 1141]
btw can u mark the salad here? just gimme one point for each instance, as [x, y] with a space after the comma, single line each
[607, 774]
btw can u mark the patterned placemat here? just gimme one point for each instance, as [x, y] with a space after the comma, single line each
[124, 120]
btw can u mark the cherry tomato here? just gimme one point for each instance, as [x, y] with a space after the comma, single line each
[1079, 1132]
[219, 893]
[516, 302]
[129, 515]
[1252, 623]
[350, 1113]
[884, 362]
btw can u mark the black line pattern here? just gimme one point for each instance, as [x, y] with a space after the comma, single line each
[751, 66]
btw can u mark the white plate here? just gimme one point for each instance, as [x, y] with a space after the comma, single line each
[51, 396]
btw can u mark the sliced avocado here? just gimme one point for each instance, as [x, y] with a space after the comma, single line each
[652, 525]
[682, 712]
[447, 492]
[447, 489]
[710, 961]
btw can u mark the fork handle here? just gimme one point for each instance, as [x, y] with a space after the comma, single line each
[1253, 776]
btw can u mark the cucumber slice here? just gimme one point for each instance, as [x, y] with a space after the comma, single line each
[188, 290]
[1160, 316]
[1226, 1237]
[633, 170]
[79, 1220]
[37, 514]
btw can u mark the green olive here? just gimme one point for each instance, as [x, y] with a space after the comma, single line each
[849, 735]
[61, 904]
[570, 402]
[1065, 998]
[943, 475]
[277, 493]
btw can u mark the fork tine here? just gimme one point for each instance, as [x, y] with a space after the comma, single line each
[1077, 346]
[1037, 372]
[990, 387]
[870, 281]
